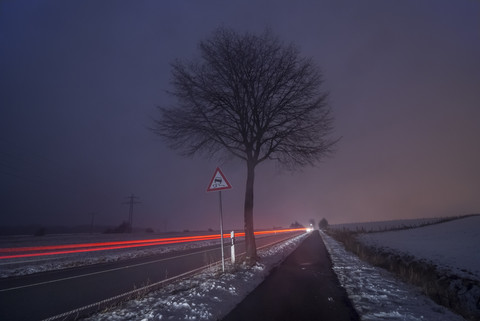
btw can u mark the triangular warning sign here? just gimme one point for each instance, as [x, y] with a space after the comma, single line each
[218, 182]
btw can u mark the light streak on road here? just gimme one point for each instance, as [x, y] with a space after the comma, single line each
[35, 251]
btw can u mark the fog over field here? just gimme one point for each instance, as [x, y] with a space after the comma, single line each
[80, 83]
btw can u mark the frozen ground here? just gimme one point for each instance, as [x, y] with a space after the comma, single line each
[209, 295]
[386, 225]
[377, 294]
[451, 246]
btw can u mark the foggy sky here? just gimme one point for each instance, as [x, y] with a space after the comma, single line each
[80, 82]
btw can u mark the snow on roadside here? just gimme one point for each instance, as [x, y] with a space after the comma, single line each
[451, 246]
[26, 266]
[377, 294]
[209, 295]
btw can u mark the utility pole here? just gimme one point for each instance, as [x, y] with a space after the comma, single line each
[132, 199]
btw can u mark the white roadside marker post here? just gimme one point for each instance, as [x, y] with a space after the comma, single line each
[232, 247]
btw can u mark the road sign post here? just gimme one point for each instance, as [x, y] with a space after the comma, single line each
[218, 183]
[221, 231]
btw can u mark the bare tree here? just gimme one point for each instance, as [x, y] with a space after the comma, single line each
[252, 97]
[323, 225]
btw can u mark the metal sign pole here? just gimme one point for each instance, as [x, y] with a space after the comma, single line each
[217, 183]
[221, 231]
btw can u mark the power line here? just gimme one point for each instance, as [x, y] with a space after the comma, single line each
[132, 199]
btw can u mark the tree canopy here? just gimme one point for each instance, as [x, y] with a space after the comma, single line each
[249, 96]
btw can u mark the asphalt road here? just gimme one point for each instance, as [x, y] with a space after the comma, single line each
[44, 295]
[303, 288]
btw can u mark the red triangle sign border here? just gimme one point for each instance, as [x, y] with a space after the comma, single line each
[213, 189]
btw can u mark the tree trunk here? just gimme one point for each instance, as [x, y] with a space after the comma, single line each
[251, 248]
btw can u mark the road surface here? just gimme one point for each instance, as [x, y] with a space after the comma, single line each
[44, 295]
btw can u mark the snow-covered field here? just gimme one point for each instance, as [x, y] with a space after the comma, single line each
[377, 294]
[451, 246]
[386, 225]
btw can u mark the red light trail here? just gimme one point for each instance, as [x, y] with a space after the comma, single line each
[32, 251]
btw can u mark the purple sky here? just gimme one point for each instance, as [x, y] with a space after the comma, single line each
[80, 82]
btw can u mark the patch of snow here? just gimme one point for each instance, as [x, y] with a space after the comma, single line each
[377, 294]
[451, 246]
[25, 266]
